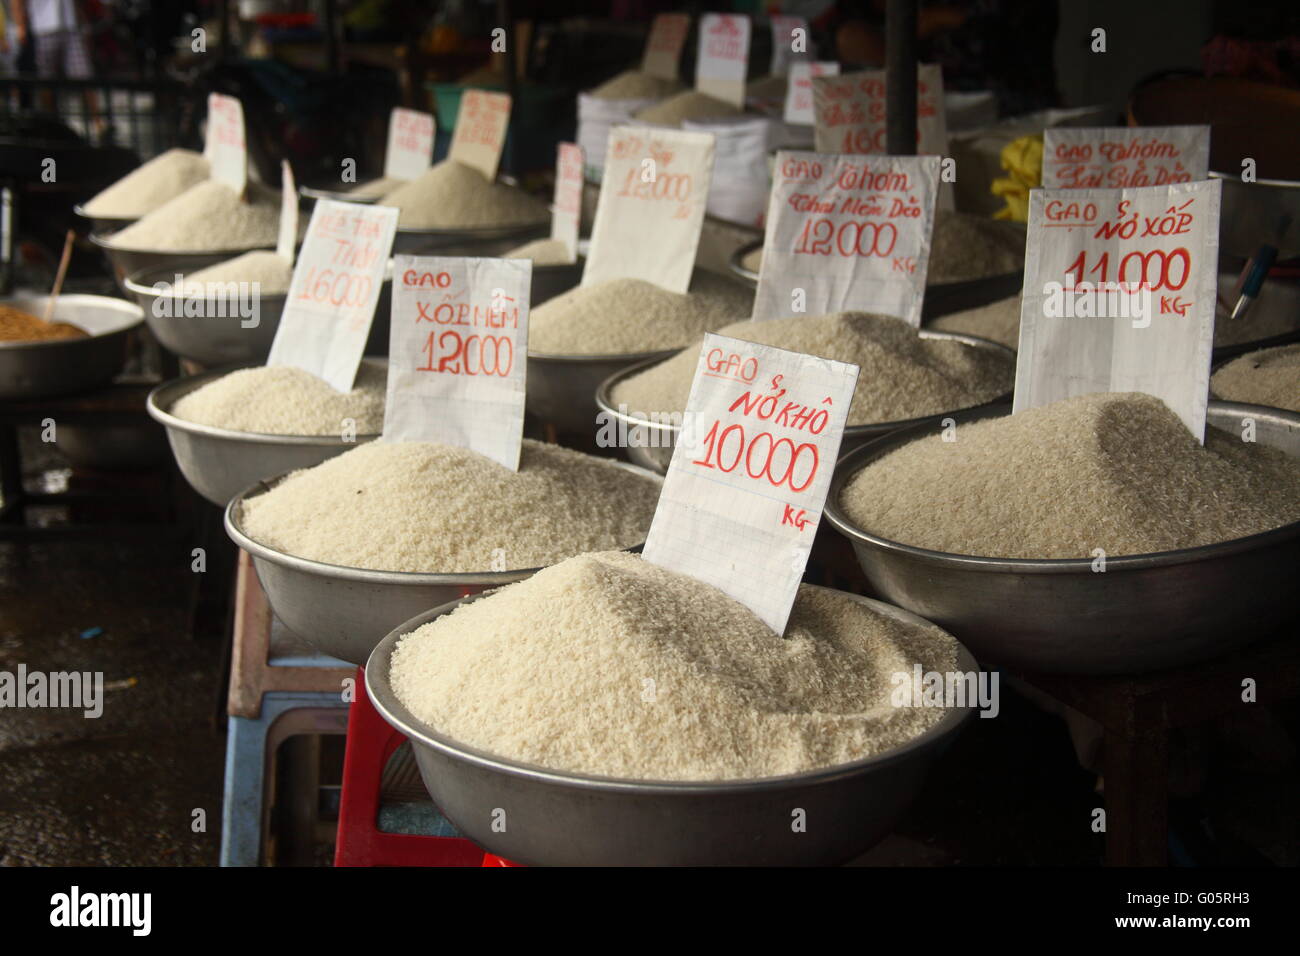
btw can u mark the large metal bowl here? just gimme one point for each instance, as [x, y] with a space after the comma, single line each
[1144, 613]
[63, 366]
[1278, 305]
[219, 463]
[216, 337]
[650, 443]
[941, 298]
[561, 387]
[550, 281]
[337, 195]
[342, 611]
[569, 819]
[128, 262]
[484, 242]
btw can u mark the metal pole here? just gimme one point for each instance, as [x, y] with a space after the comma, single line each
[900, 77]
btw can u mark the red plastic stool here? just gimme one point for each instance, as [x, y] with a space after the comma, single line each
[360, 843]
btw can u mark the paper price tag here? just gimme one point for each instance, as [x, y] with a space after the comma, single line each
[784, 41]
[410, 144]
[663, 48]
[458, 352]
[225, 148]
[481, 130]
[1119, 295]
[335, 286]
[723, 56]
[288, 237]
[1124, 157]
[799, 91]
[651, 207]
[744, 491]
[849, 112]
[567, 213]
[846, 233]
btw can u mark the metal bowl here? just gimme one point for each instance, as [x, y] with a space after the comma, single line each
[343, 611]
[569, 819]
[219, 463]
[1278, 305]
[337, 195]
[651, 443]
[553, 280]
[128, 262]
[484, 242]
[213, 338]
[103, 225]
[941, 298]
[63, 366]
[561, 387]
[1144, 613]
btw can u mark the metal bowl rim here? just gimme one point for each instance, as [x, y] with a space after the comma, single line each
[604, 400]
[80, 210]
[104, 243]
[136, 287]
[634, 357]
[323, 569]
[420, 733]
[1236, 178]
[473, 232]
[850, 464]
[162, 397]
[73, 298]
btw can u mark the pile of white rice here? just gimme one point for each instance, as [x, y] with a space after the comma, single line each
[543, 252]
[635, 85]
[451, 195]
[625, 316]
[419, 506]
[901, 375]
[154, 183]
[207, 217]
[282, 400]
[1268, 377]
[998, 321]
[610, 666]
[689, 105]
[271, 272]
[1115, 471]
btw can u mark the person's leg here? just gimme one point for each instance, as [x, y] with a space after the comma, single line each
[77, 66]
[47, 57]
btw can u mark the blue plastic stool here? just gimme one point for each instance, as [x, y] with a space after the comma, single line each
[251, 744]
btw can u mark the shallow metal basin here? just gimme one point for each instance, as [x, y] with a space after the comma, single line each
[64, 366]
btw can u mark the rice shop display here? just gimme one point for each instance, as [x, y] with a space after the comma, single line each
[497, 435]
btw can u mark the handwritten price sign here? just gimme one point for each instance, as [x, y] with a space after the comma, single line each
[655, 188]
[335, 287]
[847, 232]
[723, 56]
[849, 112]
[567, 212]
[663, 48]
[1124, 157]
[225, 148]
[744, 491]
[410, 144]
[481, 130]
[457, 353]
[799, 91]
[1119, 295]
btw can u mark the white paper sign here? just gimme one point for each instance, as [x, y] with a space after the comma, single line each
[457, 355]
[225, 148]
[566, 214]
[651, 207]
[1150, 327]
[335, 286]
[1124, 157]
[784, 41]
[288, 237]
[799, 91]
[410, 144]
[723, 56]
[847, 233]
[849, 112]
[480, 132]
[663, 47]
[744, 492]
